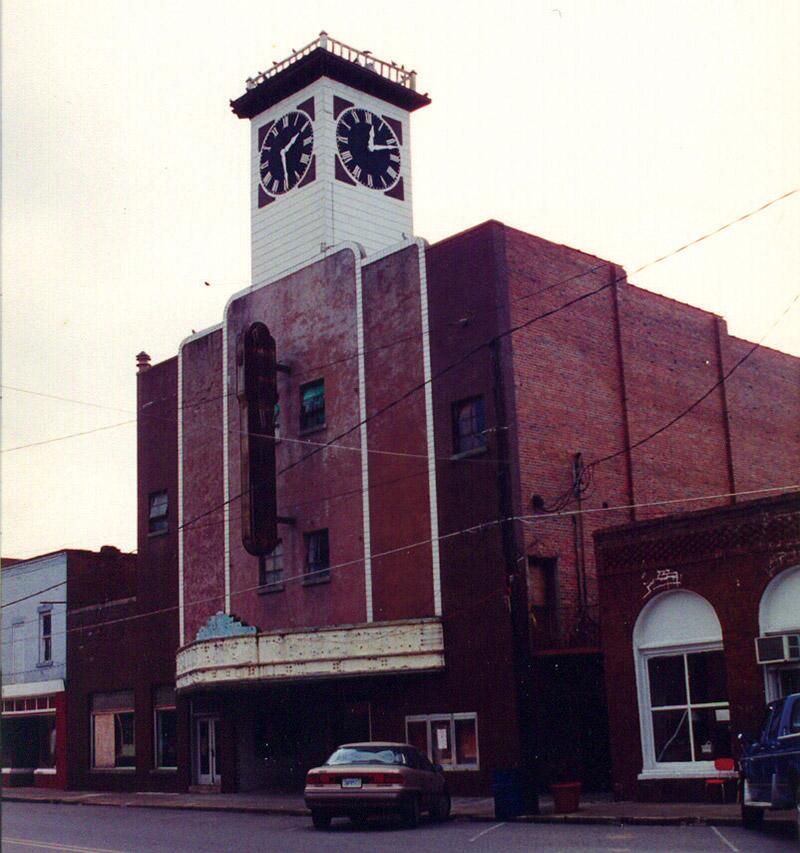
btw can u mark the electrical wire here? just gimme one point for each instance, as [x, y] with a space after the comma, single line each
[449, 324]
[494, 339]
[480, 528]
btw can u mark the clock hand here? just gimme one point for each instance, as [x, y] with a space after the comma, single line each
[291, 142]
[383, 148]
[283, 163]
[371, 140]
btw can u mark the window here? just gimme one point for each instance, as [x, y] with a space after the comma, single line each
[778, 614]
[683, 700]
[166, 728]
[159, 509]
[689, 707]
[45, 637]
[447, 739]
[113, 737]
[469, 426]
[317, 555]
[270, 568]
[312, 405]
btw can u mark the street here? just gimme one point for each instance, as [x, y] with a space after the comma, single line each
[100, 829]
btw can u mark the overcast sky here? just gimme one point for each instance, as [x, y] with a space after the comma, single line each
[625, 129]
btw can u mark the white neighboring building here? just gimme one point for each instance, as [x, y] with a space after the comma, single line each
[34, 670]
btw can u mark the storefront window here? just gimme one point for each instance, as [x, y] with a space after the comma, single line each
[683, 699]
[166, 727]
[696, 728]
[113, 736]
[447, 739]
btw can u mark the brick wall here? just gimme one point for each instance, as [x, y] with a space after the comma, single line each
[727, 555]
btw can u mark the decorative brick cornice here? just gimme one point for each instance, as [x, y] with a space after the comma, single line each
[704, 537]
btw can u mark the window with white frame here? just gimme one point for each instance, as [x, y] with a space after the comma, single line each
[166, 728]
[683, 700]
[447, 739]
[778, 614]
[45, 636]
[113, 736]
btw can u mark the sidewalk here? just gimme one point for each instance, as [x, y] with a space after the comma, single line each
[595, 808]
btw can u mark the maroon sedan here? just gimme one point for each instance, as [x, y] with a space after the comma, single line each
[360, 779]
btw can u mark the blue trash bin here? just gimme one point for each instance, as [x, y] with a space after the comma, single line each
[507, 787]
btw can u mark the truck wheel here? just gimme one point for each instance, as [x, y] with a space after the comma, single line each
[320, 820]
[752, 816]
[797, 806]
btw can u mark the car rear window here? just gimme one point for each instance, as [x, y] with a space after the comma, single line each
[366, 755]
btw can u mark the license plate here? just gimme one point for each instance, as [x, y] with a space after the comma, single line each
[351, 782]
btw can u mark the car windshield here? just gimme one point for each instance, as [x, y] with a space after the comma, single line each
[366, 755]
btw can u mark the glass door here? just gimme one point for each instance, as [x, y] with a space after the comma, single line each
[207, 750]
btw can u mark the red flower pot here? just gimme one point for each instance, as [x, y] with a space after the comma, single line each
[566, 797]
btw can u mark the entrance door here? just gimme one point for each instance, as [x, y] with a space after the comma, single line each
[207, 750]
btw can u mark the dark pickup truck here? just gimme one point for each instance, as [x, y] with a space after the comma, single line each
[770, 763]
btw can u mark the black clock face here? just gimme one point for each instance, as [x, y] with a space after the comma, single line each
[286, 152]
[368, 149]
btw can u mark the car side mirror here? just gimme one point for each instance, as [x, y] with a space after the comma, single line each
[746, 738]
[438, 768]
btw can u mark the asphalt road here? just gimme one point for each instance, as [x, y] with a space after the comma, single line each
[34, 827]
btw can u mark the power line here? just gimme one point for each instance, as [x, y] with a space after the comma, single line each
[498, 337]
[435, 330]
[472, 529]
[65, 437]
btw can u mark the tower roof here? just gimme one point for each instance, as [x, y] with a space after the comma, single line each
[325, 57]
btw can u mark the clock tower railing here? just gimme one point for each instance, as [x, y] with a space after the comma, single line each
[390, 70]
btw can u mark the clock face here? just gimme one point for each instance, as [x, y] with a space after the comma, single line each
[285, 153]
[368, 148]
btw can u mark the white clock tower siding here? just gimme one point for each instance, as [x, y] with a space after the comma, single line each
[320, 212]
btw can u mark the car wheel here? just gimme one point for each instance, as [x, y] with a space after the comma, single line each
[320, 820]
[441, 808]
[752, 816]
[411, 812]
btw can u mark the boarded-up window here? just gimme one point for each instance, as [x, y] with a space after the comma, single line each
[113, 735]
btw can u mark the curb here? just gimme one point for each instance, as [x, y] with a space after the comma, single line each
[574, 818]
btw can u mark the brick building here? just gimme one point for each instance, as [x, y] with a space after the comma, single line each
[683, 599]
[453, 423]
[122, 627]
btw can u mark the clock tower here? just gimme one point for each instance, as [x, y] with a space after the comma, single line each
[330, 154]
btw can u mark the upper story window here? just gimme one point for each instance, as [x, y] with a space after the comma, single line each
[469, 425]
[312, 405]
[159, 512]
[318, 561]
[271, 567]
[46, 637]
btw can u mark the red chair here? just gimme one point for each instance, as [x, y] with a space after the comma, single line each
[721, 765]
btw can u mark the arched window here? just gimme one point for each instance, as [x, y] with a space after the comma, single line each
[779, 613]
[683, 695]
